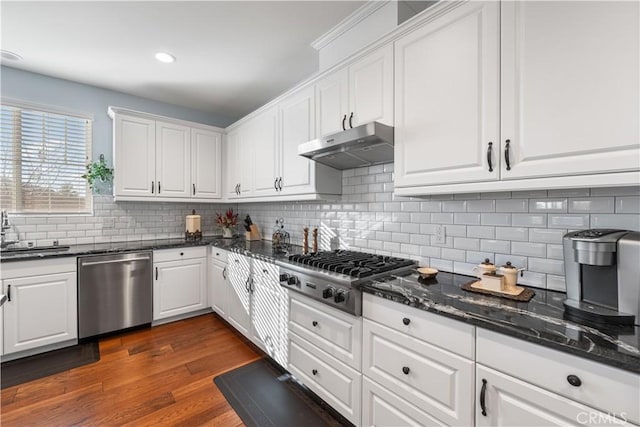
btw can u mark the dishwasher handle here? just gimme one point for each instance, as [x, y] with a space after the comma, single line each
[114, 261]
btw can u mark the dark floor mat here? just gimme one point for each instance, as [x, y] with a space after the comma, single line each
[31, 368]
[261, 399]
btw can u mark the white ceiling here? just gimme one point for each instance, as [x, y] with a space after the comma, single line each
[232, 56]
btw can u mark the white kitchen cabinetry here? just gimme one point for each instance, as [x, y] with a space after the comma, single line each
[180, 282]
[240, 161]
[357, 94]
[239, 303]
[219, 283]
[426, 375]
[156, 158]
[42, 309]
[571, 381]
[325, 353]
[263, 145]
[547, 92]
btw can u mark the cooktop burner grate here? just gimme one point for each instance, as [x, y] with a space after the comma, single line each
[351, 263]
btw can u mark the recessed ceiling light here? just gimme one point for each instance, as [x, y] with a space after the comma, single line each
[10, 56]
[165, 57]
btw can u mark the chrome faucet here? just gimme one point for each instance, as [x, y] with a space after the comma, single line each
[4, 226]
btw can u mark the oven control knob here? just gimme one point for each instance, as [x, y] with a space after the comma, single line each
[327, 293]
[340, 296]
[284, 277]
[293, 280]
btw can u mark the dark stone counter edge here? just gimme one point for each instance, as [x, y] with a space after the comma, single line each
[624, 362]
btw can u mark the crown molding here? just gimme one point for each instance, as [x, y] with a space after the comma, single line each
[349, 22]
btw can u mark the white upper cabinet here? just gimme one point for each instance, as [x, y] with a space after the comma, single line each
[262, 144]
[134, 156]
[371, 88]
[357, 94]
[163, 159]
[518, 95]
[206, 182]
[570, 90]
[297, 125]
[447, 98]
[232, 162]
[173, 160]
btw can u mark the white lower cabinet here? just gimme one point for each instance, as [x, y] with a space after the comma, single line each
[239, 302]
[42, 305]
[219, 288]
[180, 282]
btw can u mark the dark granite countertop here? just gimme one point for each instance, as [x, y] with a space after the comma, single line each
[539, 321]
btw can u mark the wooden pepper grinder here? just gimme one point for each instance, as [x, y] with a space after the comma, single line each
[315, 239]
[305, 241]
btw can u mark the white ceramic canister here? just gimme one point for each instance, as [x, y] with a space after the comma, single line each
[484, 267]
[510, 274]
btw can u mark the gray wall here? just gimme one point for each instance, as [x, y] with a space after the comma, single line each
[37, 88]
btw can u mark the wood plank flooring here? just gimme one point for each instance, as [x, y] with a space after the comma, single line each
[162, 376]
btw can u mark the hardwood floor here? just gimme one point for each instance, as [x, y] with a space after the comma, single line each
[162, 376]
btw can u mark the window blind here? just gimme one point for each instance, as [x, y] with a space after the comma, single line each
[43, 155]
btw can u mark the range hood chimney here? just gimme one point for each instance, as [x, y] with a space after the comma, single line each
[365, 145]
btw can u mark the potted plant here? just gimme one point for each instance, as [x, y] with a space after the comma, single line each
[226, 221]
[97, 172]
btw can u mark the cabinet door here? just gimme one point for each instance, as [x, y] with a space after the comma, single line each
[371, 88]
[218, 288]
[570, 95]
[332, 102]
[173, 160]
[232, 158]
[297, 125]
[179, 287]
[206, 164]
[262, 145]
[269, 311]
[43, 310]
[447, 98]
[238, 310]
[511, 402]
[134, 150]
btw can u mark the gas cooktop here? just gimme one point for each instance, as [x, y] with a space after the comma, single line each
[352, 263]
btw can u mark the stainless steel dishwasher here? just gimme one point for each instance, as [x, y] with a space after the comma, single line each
[114, 292]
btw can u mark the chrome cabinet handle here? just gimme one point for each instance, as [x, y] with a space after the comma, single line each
[350, 120]
[506, 154]
[489, 156]
[344, 119]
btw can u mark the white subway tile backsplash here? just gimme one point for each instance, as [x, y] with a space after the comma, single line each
[481, 206]
[512, 233]
[481, 231]
[495, 219]
[568, 221]
[512, 205]
[441, 264]
[454, 206]
[530, 278]
[496, 195]
[420, 217]
[419, 239]
[545, 235]
[622, 221]
[453, 254]
[529, 249]
[616, 191]
[556, 283]
[555, 252]
[549, 266]
[515, 260]
[478, 257]
[431, 206]
[466, 243]
[455, 230]
[463, 268]
[466, 196]
[466, 218]
[548, 205]
[410, 228]
[442, 218]
[430, 251]
[495, 246]
[410, 249]
[529, 220]
[627, 205]
[400, 237]
[592, 205]
[569, 192]
[529, 194]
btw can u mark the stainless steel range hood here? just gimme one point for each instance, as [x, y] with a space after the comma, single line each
[365, 145]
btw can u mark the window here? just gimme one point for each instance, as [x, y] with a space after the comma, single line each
[43, 155]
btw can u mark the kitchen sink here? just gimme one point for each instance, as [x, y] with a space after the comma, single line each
[34, 249]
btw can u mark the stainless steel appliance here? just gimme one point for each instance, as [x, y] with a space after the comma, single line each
[364, 145]
[602, 269]
[114, 292]
[332, 276]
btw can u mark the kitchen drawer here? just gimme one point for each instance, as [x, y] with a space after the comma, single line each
[602, 387]
[449, 334]
[331, 330]
[219, 254]
[177, 254]
[336, 383]
[435, 380]
[382, 408]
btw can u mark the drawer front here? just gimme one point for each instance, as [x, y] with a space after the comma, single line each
[333, 331]
[177, 254]
[438, 381]
[602, 387]
[438, 330]
[336, 383]
[219, 254]
[382, 408]
[510, 402]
